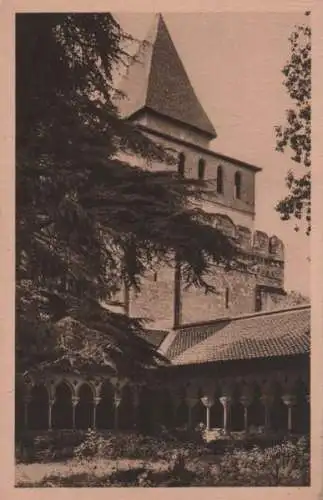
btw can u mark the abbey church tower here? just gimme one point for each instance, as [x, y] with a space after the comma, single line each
[162, 102]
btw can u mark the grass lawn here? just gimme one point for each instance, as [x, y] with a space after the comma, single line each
[30, 473]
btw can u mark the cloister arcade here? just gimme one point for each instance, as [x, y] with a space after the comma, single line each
[74, 403]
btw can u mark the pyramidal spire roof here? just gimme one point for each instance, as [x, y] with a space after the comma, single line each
[157, 81]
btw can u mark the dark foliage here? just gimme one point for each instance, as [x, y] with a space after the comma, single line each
[87, 222]
[296, 134]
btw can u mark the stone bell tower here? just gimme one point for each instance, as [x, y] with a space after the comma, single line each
[161, 100]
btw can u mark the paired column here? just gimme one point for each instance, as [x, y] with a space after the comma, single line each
[75, 401]
[226, 403]
[96, 401]
[117, 401]
[246, 401]
[191, 402]
[50, 413]
[267, 401]
[136, 403]
[27, 400]
[289, 400]
[208, 402]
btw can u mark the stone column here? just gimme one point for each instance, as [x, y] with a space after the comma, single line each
[96, 401]
[75, 401]
[267, 400]
[208, 418]
[246, 402]
[208, 402]
[27, 400]
[191, 402]
[136, 402]
[226, 402]
[50, 408]
[289, 400]
[117, 401]
[126, 299]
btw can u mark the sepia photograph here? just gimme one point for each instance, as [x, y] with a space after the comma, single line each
[163, 221]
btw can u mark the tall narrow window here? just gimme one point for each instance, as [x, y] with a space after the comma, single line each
[258, 301]
[237, 185]
[181, 165]
[227, 298]
[201, 169]
[219, 180]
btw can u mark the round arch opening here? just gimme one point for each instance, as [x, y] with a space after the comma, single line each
[62, 412]
[84, 408]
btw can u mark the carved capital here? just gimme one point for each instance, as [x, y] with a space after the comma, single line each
[97, 387]
[225, 401]
[75, 400]
[117, 399]
[289, 400]
[118, 383]
[208, 401]
[246, 400]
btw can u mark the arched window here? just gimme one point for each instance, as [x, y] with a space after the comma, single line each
[237, 185]
[181, 165]
[227, 298]
[201, 169]
[219, 180]
[258, 300]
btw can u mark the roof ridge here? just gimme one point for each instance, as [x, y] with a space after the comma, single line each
[243, 316]
[167, 342]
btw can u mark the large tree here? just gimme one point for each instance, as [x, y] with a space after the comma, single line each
[87, 221]
[295, 135]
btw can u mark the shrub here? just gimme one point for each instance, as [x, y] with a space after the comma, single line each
[48, 446]
[285, 464]
[134, 446]
[92, 446]
[186, 434]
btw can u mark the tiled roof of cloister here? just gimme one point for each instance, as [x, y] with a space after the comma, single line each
[260, 335]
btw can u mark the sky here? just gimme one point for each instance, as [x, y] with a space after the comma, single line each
[234, 61]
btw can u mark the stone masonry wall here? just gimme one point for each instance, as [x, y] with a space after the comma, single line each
[155, 302]
[156, 299]
[243, 207]
[263, 256]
